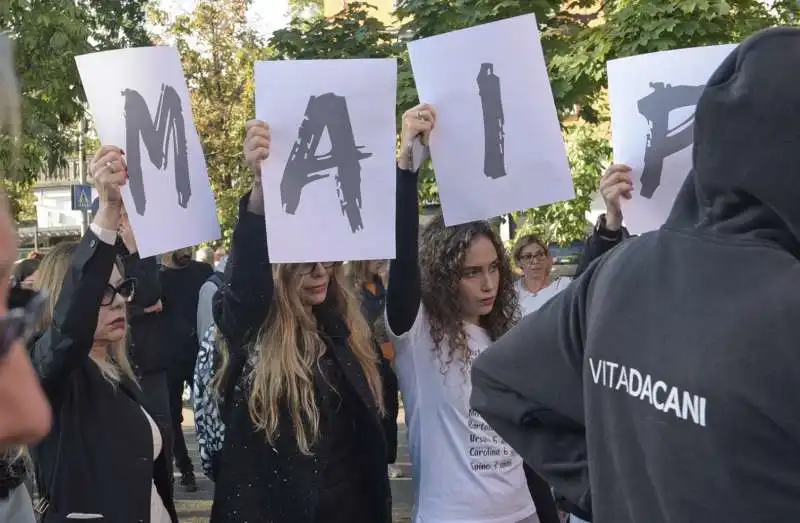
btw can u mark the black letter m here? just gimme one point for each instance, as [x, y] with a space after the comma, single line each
[167, 128]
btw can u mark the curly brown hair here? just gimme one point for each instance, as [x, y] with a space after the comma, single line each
[442, 253]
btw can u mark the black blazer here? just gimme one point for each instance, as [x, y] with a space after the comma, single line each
[98, 458]
[148, 348]
[261, 484]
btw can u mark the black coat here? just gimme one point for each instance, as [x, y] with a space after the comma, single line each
[98, 458]
[148, 349]
[261, 484]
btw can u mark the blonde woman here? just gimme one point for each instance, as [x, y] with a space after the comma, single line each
[104, 457]
[305, 425]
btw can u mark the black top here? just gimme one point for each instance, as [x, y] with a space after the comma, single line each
[662, 386]
[261, 484]
[148, 348]
[98, 457]
[340, 496]
[180, 291]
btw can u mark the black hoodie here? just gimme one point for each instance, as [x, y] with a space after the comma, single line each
[674, 361]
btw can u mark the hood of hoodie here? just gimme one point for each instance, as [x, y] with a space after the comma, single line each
[745, 179]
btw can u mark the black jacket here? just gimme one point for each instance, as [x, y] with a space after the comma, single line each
[662, 386]
[599, 242]
[148, 348]
[260, 484]
[180, 293]
[98, 458]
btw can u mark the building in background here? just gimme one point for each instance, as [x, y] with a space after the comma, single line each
[384, 9]
[55, 219]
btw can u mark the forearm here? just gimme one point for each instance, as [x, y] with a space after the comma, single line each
[404, 292]
[241, 305]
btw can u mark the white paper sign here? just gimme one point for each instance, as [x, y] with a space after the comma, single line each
[652, 98]
[329, 183]
[140, 103]
[497, 146]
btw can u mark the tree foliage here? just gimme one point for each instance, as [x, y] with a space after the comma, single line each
[306, 8]
[47, 36]
[579, 37]
[218, 50]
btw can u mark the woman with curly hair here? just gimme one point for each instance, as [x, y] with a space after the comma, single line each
[446, 303]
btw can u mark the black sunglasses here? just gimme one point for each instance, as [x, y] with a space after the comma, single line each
[125, 289]
[308, 268]
[21, 321]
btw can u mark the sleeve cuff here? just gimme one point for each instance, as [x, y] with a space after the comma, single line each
[104, 235]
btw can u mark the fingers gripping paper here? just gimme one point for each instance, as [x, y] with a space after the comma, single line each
[652, 100]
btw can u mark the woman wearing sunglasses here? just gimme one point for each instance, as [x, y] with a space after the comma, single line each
[304, 432]
[104, 459]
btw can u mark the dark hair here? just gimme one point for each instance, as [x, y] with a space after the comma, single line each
[442, 254]
[524, 241]
[25, 268]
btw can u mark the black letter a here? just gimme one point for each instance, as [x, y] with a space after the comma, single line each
[494, 161]
[327, 110]
[655, 107]
[168, 126]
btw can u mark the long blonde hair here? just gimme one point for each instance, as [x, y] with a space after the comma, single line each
[289, 347]
[10, 121]
[52, 272]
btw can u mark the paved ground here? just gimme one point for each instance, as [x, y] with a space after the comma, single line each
[195, 507]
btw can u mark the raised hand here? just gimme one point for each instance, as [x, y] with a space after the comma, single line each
[417, 121]
[256, 150]
[615, 185]
[256, 146]
[110, 174]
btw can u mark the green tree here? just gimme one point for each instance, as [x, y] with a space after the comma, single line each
[579, 37]
[47, 36]
[306, 8]
[218, 49]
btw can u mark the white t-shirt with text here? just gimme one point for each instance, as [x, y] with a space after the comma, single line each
[463, 472]
[531, 301]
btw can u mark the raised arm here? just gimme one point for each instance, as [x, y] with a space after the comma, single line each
[615, 186]
[66, 342]
[404, 293]
[241, 304]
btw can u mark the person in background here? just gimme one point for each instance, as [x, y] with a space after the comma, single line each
[616, 186]
[369, 279]
[305, 435]
[181, 279]
[662, 385]
[219, 255]
[450, 295]
[104, 458]
[205, 315]
[25, 414]
[205, 255]
[25, 272]
[535, 286]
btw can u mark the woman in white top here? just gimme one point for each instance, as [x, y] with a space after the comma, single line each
[442, 311]
[535, 287]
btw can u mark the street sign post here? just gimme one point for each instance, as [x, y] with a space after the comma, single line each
[81, 197]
